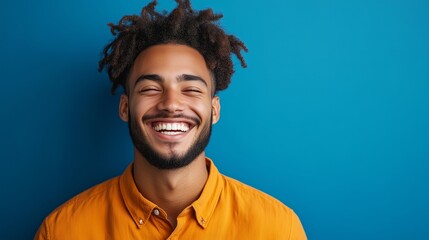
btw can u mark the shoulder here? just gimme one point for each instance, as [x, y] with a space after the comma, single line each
[88, 208]
[267, 217]
[90, 196]
[248, 195]
[260, 210]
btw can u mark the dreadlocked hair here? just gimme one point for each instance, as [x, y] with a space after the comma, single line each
[183, 25]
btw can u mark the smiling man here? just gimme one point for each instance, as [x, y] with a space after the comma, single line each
[171, 67]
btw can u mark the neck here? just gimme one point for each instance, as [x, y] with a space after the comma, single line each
[174, 189]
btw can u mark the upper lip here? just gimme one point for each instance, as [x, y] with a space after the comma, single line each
[191, 123]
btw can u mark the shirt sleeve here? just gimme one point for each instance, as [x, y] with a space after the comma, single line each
[297, 231]
[42, 233]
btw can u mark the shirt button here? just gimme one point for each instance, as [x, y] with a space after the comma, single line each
[140, 221]
[156, 212]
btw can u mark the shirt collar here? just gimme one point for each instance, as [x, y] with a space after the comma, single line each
[138, 206]
[141, 208]
[205, 205]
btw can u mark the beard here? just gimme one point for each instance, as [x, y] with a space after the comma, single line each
[175, 160]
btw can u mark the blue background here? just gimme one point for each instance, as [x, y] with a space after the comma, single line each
[331, 116]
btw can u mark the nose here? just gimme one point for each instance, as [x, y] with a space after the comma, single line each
[171, 101]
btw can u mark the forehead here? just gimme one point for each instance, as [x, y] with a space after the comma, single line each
[170, 60]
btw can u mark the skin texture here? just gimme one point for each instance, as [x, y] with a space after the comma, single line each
[159, 92]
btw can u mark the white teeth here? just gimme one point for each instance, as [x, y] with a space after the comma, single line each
[176, 127]
[171, 133]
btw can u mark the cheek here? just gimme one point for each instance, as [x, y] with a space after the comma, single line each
[140, 107]
[203, 110]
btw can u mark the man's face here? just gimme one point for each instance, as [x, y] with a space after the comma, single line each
[169, 107]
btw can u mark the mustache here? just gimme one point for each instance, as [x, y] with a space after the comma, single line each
[196, 120]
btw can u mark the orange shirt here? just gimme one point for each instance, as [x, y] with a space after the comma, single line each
[226, 209]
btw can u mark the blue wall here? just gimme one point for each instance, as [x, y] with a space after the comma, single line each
[331, 116]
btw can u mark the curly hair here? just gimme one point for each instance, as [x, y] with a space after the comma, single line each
[197, 29]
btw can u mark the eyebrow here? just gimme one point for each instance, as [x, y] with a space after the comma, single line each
[189, 77]
[153, 77]
[180, 78]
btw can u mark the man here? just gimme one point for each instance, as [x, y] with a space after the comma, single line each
[171, 67]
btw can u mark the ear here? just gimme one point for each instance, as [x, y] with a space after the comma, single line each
[123, 108]
[215, 109]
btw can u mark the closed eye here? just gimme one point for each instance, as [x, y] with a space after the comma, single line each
[193, 91]
[149, 91]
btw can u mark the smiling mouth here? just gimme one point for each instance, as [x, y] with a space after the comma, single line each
[171, 128]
